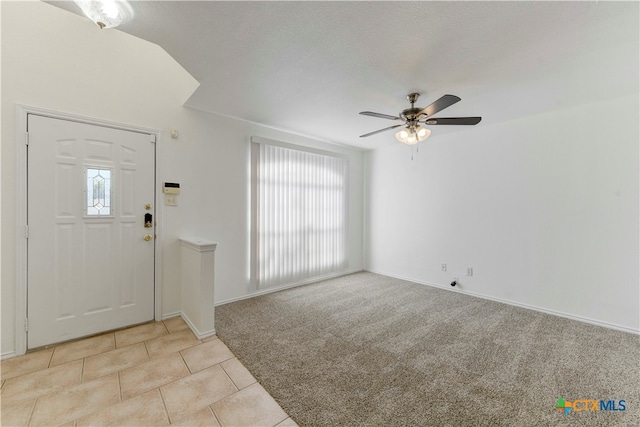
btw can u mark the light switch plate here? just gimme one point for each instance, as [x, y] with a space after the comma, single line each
[170, 200]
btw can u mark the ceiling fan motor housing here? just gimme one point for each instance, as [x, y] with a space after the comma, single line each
[410, 114]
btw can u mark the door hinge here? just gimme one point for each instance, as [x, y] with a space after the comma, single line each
[26, 231]
[26, 324]
[26, 138]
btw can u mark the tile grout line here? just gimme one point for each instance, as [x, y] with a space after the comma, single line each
[51, 358]
[144, 340]
[98, 409]
[185, 362]
[33, 410]
[165, 328]
[214, 414]
[75, 421]
[229, 376]
[165, 384]
[164, 405]
[232, 382]
[82, 371]
[120, 386]
[147, 350]
[209, 405]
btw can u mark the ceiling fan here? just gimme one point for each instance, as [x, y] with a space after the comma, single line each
[413, 119]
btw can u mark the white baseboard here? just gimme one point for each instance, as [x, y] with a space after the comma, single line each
[8, 355]
[288, 286]
[170, 315]
[517, 304]
[200, 335]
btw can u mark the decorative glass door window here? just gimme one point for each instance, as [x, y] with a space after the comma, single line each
[98, 191]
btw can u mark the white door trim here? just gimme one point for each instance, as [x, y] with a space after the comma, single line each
[22, 111]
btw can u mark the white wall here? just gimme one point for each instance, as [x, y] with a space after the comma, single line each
[544, 208]
[56, 60]
[212, 166]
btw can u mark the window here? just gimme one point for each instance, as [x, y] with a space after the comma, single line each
[299, 214]
[98, 191]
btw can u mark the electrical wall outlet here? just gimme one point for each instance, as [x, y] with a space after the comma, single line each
[443, 267]
[469, 271]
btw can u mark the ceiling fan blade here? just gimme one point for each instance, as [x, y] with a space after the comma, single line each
[454, 121]
[382, 116]
[439, 105]
[381, 130]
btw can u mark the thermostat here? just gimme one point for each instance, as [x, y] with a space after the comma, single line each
[171, 188]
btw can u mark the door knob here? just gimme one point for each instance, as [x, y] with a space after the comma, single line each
[147, 237]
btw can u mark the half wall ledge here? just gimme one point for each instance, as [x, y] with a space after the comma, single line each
[197, 280]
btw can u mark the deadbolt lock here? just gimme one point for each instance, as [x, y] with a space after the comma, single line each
[148, 206]
[147, 237]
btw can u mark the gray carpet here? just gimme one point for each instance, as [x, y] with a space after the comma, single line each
[369, 350]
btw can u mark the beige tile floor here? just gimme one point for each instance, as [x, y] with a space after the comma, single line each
[149, 375]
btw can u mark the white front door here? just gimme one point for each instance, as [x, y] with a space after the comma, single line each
[90, 257]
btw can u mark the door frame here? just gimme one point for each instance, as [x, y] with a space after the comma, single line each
[22, 112]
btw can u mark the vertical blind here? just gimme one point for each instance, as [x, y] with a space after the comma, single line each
[301, 215]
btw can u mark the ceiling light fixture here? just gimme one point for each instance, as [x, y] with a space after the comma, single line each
[413, 118]
[106, 13]
[412, 134]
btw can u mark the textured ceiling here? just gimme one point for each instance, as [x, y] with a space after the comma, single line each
[310, 67]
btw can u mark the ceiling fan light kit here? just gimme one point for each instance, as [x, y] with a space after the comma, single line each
[414, 119]
[413, 134]
[106, 13]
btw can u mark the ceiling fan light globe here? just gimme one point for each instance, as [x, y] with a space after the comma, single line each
[423, 133]
[411, 140]
[402, 135]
